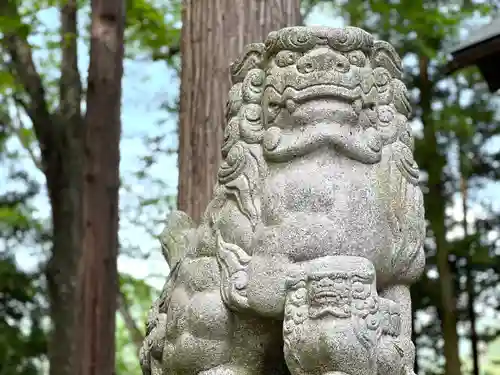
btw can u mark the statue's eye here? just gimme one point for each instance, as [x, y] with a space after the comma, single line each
[273, 107]
[357, 58]
[308, 67]
[342, 66]
[286, 58]
[370, 106]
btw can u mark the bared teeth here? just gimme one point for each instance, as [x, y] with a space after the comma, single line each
[323, 294]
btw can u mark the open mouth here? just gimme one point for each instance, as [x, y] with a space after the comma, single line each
[328, 297]
[325, 294]
[325, 301]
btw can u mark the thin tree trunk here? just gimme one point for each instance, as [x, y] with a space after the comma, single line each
[99, 276]
[213, 35]
[59, 138]
[469, 273]
[435, 209]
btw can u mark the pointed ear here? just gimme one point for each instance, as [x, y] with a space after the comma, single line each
[174, 238]
[384, 55]
[251, 58]
[401, 97]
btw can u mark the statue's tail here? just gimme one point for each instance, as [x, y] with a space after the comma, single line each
[174, 245]
[174, 238]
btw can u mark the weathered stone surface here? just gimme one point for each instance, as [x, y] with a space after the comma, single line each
[303, 260]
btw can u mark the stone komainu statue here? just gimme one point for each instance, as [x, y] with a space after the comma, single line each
[303, 259]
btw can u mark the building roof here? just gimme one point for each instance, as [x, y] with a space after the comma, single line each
[481, 35]
[482, 49]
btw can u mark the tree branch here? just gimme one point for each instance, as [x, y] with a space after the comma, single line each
[166, 56]
[18, 131]
[70, 84]
[22, 64]
[124, 309]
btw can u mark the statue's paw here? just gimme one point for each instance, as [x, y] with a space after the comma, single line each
[145, 358]
[227, 370]
[408, 371]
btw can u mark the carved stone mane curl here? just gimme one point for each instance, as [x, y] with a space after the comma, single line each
[243, 170]
[243, 166]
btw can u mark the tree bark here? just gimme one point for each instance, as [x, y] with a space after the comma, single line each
[59, 138]
[98, 272]
[213, 35]
[81, 272]
[469, 272]
[436, 213]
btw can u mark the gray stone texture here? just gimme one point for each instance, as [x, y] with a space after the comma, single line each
[303, 260]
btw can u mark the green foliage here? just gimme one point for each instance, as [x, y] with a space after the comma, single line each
[138, 295]
[22, 338]
[152, 34]
[153, 27]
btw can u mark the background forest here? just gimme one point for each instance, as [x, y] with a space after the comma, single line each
[455, 119]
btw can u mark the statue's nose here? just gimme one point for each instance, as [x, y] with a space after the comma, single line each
[322, 59]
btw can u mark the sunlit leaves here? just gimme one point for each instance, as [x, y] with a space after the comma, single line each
[138, 295]
[22, 338]
[153, 28]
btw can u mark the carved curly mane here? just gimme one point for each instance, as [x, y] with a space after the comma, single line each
[244, 167]
[271, 128]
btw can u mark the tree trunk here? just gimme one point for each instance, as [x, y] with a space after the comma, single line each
[213, 35]
[436, 213]
[64, 182]
[60, 139]
[82, 285]
[469, 272]
[99, 275]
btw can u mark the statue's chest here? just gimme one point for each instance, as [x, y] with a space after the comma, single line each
[326, 187]
[316, 210]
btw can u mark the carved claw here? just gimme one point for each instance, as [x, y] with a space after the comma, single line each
[226, 370]
[408, 371]
[234, 262]
[145, 359]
